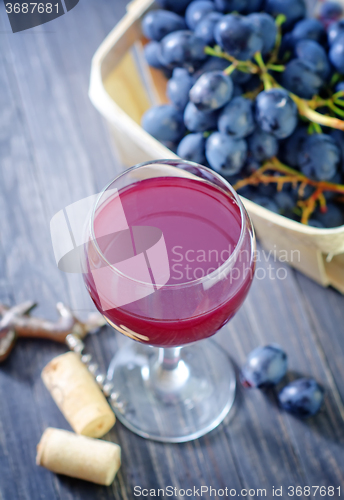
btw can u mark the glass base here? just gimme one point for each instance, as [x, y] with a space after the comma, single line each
[172, 395]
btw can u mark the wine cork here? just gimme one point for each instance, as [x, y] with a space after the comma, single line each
[77, 456]
[78, 396]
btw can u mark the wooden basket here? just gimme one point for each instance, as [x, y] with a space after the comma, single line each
[123, 87]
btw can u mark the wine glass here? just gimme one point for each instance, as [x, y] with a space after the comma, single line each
[169, 260]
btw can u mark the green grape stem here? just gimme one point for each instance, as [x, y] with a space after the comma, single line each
[276, 67]
[313, 116]
[305, 108]
[280, 19]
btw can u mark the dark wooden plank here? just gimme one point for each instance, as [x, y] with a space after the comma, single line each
[327, 315]
[27, 263]
[26, 407]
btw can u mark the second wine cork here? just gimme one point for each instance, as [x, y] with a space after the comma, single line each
[78, 396]
[78, 456]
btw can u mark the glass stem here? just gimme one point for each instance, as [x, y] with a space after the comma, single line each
[169, 372]
[169, 357]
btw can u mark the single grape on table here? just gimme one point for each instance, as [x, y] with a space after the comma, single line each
[302, 397]
[265, 366]
[257, 94]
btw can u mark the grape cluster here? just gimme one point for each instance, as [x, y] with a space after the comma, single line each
[254, 85]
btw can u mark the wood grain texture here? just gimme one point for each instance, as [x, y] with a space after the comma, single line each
[55, 149]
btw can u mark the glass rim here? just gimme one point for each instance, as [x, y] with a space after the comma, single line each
[207, 277]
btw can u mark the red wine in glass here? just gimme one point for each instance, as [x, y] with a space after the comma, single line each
[209, 244]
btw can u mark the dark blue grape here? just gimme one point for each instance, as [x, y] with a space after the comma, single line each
[290, 147]
[276, 113]
[336, 54]
[205, 28]
[196, 11]
[241, 6]
[334, 30]
[178, 87]
[302, 397]
[299, 77]
[192, 148]
[265, 202]
[266, 29]
[330, 11]
[237, 36]
[182, 48]
[294, 10]
[152, 51]
[159, 23]
[319, 157]
[164, 122]
[178, 6]
[314, 54]
[211, 91]
[265, 366]
[236, 119]
[224, 154]
[199, 121]
[309, 29]
[333, 217]
[262, 145]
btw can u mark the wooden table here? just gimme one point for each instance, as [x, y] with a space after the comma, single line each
[56, 149]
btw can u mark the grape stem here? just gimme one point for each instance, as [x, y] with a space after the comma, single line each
[265, 175]
[308, 206]
[244, 66]
[306, 108]
[280, 19]
[312, 115]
